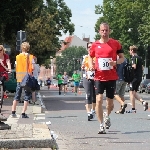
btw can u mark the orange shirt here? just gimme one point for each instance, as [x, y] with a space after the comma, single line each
[85, 62]
[21, 66]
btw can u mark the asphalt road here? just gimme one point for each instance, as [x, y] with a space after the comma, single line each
[129, 131]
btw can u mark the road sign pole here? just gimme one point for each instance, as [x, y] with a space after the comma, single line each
[21, 37]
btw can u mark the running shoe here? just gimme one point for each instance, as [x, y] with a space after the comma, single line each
[101, 130]
[90, 116]
[131, 111]
[13, 116]
[93, 113]
[145, 104]
[106, 120]
[123, 107]
[24, 116]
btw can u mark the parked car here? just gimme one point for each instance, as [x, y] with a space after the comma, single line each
[147, 89]
[81, 84]
[143, 85]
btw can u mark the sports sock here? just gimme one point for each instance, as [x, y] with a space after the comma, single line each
[13, 112]
[23, 114]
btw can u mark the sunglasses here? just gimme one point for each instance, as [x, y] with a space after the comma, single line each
[89, 46]
[0, 49]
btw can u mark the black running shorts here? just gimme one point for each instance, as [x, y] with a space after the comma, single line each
[109, 86]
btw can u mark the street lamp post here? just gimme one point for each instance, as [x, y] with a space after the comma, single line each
[52, 69]
[145, 66]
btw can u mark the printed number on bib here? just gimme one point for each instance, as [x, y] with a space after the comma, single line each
[104, 63]
[90, 74]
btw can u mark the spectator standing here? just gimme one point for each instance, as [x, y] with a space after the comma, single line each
[24, 64]
[36, 72]
[42, 75]
[5, 67]
[105, 50]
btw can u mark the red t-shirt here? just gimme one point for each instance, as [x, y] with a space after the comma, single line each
[2, 69]
[103, 53]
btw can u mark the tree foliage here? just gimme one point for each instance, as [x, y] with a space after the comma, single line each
[70, 60]
[43, 24]
[14, 16]
[124, 16]
[47, 26]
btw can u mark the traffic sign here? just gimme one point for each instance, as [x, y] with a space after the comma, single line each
[21, 37]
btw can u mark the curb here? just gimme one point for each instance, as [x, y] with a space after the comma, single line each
[27, 143]
[27, 134]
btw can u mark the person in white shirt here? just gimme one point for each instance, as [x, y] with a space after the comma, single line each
[65, 82]
[36, 70]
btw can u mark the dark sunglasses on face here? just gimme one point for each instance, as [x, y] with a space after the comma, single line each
[89, 46]
[0, 49]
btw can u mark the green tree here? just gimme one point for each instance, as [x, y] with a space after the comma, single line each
[14, 16]
[124, 16]
[70, 59]
[43, 24]
[48, 24]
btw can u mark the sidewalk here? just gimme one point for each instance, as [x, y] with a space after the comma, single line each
[25, 132]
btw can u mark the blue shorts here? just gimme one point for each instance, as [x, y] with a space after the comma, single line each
[18, 93]
[76, 84]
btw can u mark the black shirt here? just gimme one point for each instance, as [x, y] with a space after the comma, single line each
[138, 72]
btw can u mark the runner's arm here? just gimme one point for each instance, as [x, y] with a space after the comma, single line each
[121, 58]
[90, 63]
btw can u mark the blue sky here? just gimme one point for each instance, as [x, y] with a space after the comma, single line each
[83, 16]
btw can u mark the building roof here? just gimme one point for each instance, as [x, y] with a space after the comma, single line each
[66, 43]
[86, 39]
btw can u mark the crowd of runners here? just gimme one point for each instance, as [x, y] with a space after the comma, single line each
[103, 68]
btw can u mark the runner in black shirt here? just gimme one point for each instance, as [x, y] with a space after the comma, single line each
[134, 85]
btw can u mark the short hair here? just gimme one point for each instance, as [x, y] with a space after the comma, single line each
[133, 48]
[25, 46]
[104, 23]
[88, 44]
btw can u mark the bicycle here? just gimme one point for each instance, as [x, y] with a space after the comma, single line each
[2, 80]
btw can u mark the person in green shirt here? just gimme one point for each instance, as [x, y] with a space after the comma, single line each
[60, 81]
[76, 77]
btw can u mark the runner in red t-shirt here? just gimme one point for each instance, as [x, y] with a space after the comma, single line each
[105, 50]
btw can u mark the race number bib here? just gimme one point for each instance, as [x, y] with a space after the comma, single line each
[90, 74]
[104, 63]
